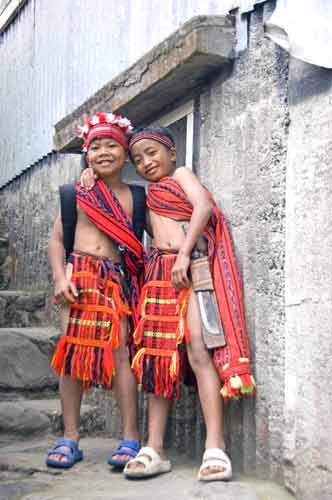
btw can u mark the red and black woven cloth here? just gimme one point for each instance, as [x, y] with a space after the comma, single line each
[85, 351]
[167, 198]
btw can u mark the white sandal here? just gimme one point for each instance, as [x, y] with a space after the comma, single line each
[153, 464]
[215, 457]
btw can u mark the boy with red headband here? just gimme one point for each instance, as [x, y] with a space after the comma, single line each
[170, 326]
[99, 287]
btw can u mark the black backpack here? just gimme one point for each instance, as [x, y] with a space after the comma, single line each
[69, 213]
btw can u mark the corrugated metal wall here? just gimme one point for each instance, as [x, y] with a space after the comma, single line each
[54, 55]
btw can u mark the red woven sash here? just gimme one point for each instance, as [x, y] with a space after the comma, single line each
[167, 198]
[105, 211]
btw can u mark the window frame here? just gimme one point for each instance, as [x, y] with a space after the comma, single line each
[185, 110]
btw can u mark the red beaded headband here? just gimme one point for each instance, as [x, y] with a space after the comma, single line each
[106, 130]
[103, 125]
[163, 139]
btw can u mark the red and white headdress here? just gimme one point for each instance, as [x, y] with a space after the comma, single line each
[105, 125]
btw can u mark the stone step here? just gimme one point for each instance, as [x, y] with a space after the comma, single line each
[22, 308]
[25, 355]
[27, 417]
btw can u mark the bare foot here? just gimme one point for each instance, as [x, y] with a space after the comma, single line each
[68, 445]
[61, 458]
[123, 457]
[140, 466]
[148, 463]
[119, 457]
[216, 466]
[212, 469]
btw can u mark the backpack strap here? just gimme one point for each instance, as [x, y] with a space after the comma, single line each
[68, 216]
[139, 209]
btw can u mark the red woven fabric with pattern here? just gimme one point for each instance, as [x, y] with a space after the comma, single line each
[85, 352]
[167, 198]
[161, 330]
[105, 211]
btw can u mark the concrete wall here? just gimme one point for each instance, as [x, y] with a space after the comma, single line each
[28, 207]
[243, 149]
[308, 278]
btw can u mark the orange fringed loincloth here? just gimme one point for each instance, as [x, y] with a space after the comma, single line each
[85, 352]
[162, 329]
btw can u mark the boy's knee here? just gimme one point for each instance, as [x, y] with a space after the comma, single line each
[198, 355]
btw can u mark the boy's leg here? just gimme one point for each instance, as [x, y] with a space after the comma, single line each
[125, 388]
[208, 382]
[71, 391]
[158, 412]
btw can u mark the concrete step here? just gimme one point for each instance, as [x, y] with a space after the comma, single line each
[27, 417]
[22, 308]
[24, 474]
[25, 355]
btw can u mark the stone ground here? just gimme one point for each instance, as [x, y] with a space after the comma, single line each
[24, 475]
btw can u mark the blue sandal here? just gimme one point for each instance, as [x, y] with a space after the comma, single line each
[73, 456]
[126, 447]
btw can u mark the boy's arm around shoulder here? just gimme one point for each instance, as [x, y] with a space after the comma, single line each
[64, 289]
[199, 198]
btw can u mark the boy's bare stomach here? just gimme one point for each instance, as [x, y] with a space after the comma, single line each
[89, 239]
[169, 234]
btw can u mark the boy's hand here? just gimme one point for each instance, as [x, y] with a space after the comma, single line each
[88, 178]
[65, 291]
[179, 272]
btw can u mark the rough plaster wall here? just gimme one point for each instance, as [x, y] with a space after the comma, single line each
[308, 443]
[244, 124]
[29, 206]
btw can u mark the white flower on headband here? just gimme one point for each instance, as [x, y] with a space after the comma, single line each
[95, 120]
[110, 118]
[125, 123]
[82, 131]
